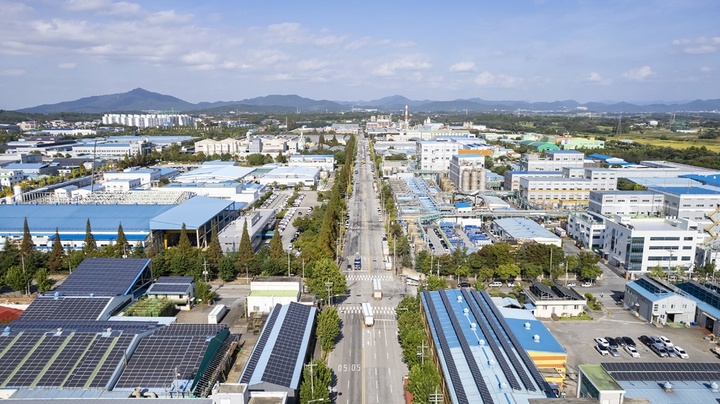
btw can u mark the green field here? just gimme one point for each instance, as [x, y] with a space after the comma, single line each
[672, 139]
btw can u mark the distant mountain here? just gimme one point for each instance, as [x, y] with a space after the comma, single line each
[135, 100]
[139, 100]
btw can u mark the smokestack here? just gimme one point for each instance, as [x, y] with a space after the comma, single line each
[407, 124]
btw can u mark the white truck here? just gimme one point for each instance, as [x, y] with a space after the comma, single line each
[217, 314]
[377, 289]
[367, 315]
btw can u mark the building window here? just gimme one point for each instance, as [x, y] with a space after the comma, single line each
[655, 307]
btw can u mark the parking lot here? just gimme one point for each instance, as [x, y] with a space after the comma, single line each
[577, 337]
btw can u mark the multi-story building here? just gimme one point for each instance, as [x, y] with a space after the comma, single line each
[211, 147]
[8, 178]
[512, 178]
[638, 244]
[631, 203]
[434, 155]
[555, 160]
[467, 172]
[379, 121]
[112, 149]
[694, 203]
[325, 162]
[587, 228]
[148, 120]
[570, 190]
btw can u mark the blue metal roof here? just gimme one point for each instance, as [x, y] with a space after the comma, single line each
[463, 205]
[546, 343]
[687, 190]
[711, 179]
[653, 297]
[72, 218]
[193, 213]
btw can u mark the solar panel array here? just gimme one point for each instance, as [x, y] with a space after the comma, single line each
[667, 371]
[650, 286]
[566, 293]
[175, 279]
[529, 364]
[700, 292]
[77, 308]
[82, 360]
[469, 358]
[490, 316]
[168, 289]
[541, 290]
[177, 346]
[104, 276]
[286, 349]
[447, 354]
[497, 351]
[260, 346]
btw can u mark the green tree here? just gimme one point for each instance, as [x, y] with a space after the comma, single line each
[657, 272]
[184, 242]
[42, 280]
[226, 269]
[10, 255]
[435, 282]
[26, 245]
[588, 265]
[245, 250]
[204, 293]
[121, 244]
[424, 380]
[214, 250]
[56, 262]
[317, 377]
[18, 278]
[276, 247]
[507, 271]
[422, 262]
[75, 257]
[321, 272]
[328, 328]
[89, 246]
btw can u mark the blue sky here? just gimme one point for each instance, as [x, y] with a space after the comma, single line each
[542, 50]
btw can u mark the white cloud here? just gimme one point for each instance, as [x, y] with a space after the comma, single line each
[12, 72]
[463, 67]
[488, 79]
[103, 6]
[638, 74]
[67, 65]
[404, 66]
[595, 77]
[197, 58]
[699, 45]
[168, 17]
[706, 69]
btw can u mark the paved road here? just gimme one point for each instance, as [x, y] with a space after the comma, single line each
[367, 360]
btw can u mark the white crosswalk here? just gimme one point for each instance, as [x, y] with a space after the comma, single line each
[361, 277]
[352, 309]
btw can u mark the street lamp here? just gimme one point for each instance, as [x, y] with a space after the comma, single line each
[328, 287]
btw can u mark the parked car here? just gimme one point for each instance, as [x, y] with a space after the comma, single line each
[665, 340]
[602, 342]
[629, 341]
[656, 340]
[464, 285]
[511, 284]
[571, 284]
[671, 352]
[614, 351]
[645, 340]
[612, 342]
[620, 341]
[680, 352]
[632, 351]
[602, 350]
[659, 350]
[495, 284]
[586, 285]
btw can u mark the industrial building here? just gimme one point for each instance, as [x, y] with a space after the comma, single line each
[481, 357]
[524, 230]
[467, 172]
[637, 244]
[66, 345]
[652, 382]
[326, 162]
[554, 160]
[292, 176]
[658, 302]
[434, 155]
[283, 347]
[214, 173]
[572, 189]
[241, 193]
[268, 291]
[142, 223]
[555, 300]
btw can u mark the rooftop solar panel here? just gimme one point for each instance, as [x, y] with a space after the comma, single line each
[447, 354]
[200, 330]
[260, 346]
[65, 308]
[81, 326]
[104, 276]
[286, 348]
[15, 354]
[469, 358]
[66, 360]
[175, 280]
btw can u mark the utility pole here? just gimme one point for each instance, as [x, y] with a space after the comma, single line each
[436, 398]
[394, 256]
[328, 287]
[421, 353]
[205, 271]
[288, 262]
[312, 380]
